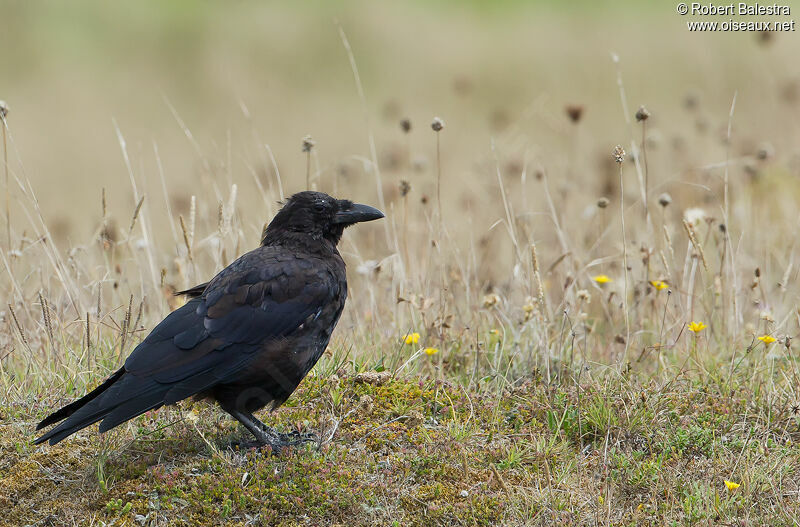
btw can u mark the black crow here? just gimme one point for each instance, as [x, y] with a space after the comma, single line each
[246, 338]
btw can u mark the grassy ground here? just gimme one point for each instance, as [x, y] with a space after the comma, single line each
[547, 328]
[622, 450]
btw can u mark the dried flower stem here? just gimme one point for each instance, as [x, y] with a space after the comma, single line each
[646, 173]
[439, 185]
[88, 334]
[538, 277]
[372, 148]
[624, 259]
[693, 238]
[8, 189]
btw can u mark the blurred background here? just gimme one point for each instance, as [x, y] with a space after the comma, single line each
[208, 103]
[241, 75]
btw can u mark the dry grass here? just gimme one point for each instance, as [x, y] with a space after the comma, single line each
[555, 395]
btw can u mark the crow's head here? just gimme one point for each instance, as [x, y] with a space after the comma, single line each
[316, 215]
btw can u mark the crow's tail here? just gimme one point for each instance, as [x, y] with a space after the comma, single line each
[120, 398]
[71, 408]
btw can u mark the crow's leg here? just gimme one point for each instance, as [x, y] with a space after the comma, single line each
[263, 434]
[293, 438]
[267, 436]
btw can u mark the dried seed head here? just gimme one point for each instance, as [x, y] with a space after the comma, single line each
[405, 187]
[602, 203]
[491, 300]
[664, 199]
[405, 125]
[691, 100]
[765, 151]
[642, 114]
[584, 296]
[308, 143]
[574, 112]
[695, 215]
[618, 154]
[437, 124]
[3, 110]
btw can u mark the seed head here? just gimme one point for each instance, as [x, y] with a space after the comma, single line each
[405, 187]
[765, 151]
[437, 124]
[664, 199]
[618, 154]
[691, 100]
[642, 114]
[602, 203]
[574, 112]
[694, 216]
[3, 110]
[308, 143]
[405, 125]
[491, 300]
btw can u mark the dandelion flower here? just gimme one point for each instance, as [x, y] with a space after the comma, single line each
[412, 338]
[731, 486]
[659, 284]
[431, 351]
[767, 339]
[697, 327]
[602, 279]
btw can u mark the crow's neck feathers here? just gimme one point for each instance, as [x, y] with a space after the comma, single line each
[312, 242]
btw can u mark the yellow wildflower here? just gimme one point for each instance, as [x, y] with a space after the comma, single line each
[412, 338]
[697, 327]
[767, 339]
[600, 499]
[602, 279]
[731, 485]
[494, 332]
[659, 284]
[431, 351]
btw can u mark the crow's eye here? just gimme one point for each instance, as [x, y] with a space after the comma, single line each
[319, 207]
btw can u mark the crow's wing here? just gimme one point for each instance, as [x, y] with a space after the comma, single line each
[266, 294]
[263, 295]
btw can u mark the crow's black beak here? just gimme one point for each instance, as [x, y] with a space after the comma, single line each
[357, 213]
